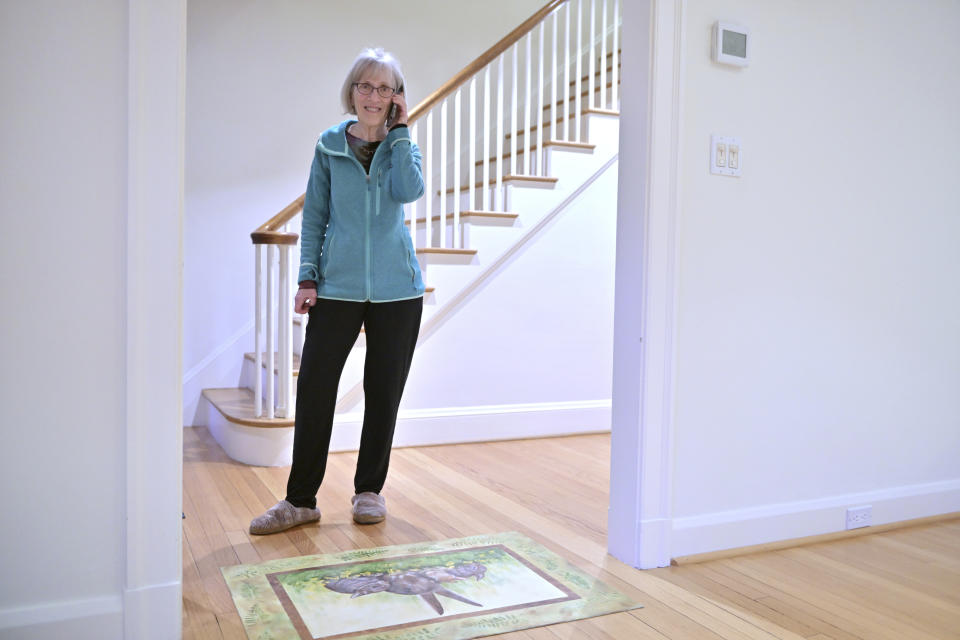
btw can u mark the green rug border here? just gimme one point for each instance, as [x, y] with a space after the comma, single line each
[264, 617]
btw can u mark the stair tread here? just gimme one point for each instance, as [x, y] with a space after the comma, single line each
[521, 178]
[236, 405]
[585, 78]
[583, 94]
[546, 143]
[440, 250]
[569, 116]
[470, 214]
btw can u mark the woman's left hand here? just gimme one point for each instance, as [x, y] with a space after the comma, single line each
[401, 103]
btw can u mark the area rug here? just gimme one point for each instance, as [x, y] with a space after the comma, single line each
[449, 590]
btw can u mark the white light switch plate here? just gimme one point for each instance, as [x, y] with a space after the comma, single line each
[726, 156]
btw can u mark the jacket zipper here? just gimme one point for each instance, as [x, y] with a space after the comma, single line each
[366, 236]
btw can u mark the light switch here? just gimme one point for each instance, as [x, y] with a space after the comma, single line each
[721, 155]
[726, 156]
[734, 157]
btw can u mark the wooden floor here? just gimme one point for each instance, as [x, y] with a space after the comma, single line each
[899, 585]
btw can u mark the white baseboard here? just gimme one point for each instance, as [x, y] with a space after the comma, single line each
[483, 423]
[88, 619]
[154, 612]
[786, 521]
[273, 446]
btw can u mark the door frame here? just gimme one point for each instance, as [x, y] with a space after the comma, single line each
[640, 518]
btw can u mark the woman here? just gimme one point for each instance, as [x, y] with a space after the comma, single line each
[358, 268]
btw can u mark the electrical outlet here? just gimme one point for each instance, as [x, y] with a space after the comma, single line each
[859, 517]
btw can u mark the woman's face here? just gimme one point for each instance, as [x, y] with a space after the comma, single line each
[372, 110]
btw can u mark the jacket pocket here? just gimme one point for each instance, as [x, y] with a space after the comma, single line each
[411, 259]
[325, 255]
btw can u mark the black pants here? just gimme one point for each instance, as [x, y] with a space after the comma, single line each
[391, 333]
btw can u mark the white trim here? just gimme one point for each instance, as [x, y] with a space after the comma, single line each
[783, 521]
[72, 611]
[154, 337]
[273, 446]
[639, 526]
[217, 352]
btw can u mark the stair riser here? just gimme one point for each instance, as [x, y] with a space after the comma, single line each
[465, 231]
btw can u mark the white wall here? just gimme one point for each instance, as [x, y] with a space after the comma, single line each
[818, 356]
[552, 302]
[262, 82]
[63, 158]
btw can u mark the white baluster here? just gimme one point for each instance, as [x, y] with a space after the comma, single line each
[443, 173]
[603, 57]
[271, 318]
[417, 204]
[257, 330]
[540, 107]
[498, 190]
[472, 147]
[527, 138]
[616, 56]
[554, 81]
[592, 36]
[284, 338]
[514, 167]
[428, 175]
[576, 113]
[566, 77]
[485, 203]
[457, 177]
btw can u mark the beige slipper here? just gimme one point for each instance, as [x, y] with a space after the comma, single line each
[282, 516]
[369, 508]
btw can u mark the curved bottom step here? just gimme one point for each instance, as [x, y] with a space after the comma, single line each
[263, 442]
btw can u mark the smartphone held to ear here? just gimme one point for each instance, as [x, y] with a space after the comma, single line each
[394, 109]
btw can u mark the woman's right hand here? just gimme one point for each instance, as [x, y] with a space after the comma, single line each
[306, 298]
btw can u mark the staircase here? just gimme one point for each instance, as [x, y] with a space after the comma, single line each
[482, 205]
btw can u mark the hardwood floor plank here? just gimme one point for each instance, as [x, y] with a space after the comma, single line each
[896, 584]
[865, 621]
[922, 577]
[891, 594]
[697, 582]
[890, 601]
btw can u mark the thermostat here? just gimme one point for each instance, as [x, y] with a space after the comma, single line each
[731, 44]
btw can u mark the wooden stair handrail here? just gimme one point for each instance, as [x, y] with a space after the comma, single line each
[268, 233]
[485, 58]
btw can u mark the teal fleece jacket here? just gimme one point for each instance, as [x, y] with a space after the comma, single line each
[353, 242]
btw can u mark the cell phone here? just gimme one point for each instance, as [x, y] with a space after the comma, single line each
[392, 114]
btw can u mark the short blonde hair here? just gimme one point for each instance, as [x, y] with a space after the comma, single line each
[376, 58]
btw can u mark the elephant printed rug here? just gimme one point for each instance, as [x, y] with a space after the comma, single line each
[449, 590]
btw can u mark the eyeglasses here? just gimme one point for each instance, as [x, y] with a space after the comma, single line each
[366, 89]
